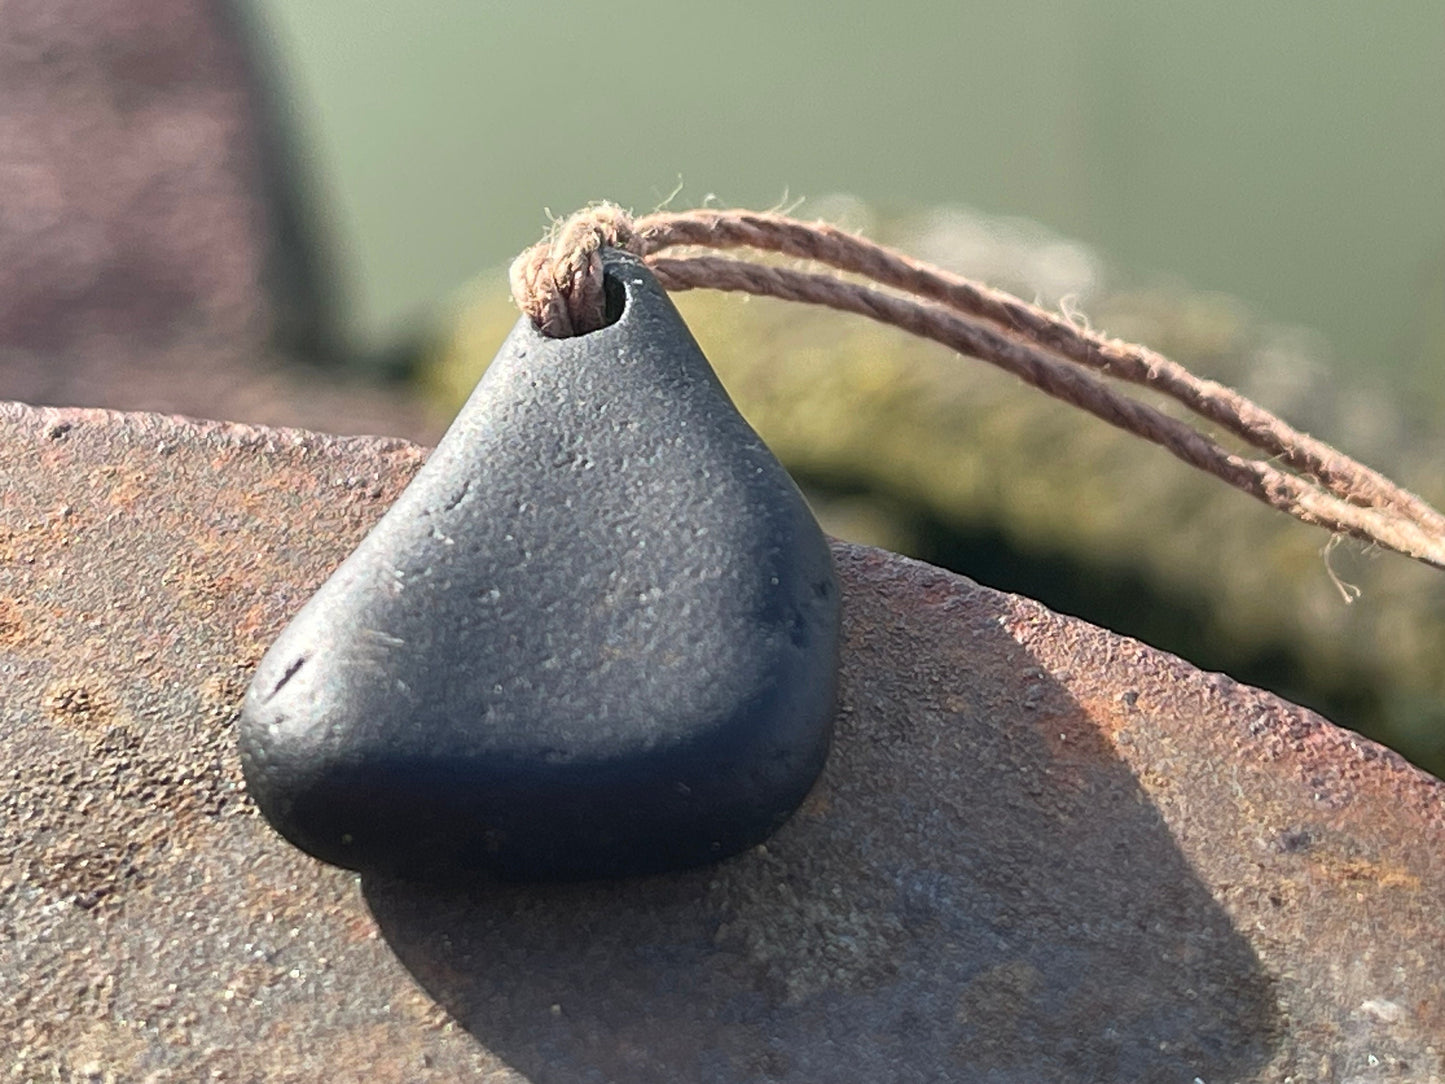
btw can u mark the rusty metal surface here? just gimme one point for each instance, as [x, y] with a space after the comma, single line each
[1040, 852]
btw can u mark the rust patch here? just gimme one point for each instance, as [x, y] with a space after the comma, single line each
[84, 703]
[1366, 872]
[124, 488]
[255, 631]
[223, 692]
[13, 626]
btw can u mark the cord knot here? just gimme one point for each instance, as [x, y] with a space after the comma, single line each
[558, 282]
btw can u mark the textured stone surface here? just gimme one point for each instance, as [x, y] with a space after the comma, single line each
[1040, 852]
[597, 635]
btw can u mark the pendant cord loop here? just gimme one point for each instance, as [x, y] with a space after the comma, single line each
[559, 285]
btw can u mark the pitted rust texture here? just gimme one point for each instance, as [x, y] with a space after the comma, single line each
[1041, 852]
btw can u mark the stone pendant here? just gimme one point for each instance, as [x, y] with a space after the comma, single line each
[597, 635]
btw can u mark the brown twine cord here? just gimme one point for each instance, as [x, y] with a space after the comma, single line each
[558, 283]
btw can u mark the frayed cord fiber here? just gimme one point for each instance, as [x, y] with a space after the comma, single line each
[558, 283]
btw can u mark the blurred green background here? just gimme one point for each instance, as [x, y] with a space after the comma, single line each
[1256, 189]
[1290, 154]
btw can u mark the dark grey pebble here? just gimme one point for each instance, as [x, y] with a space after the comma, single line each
[597, 635]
